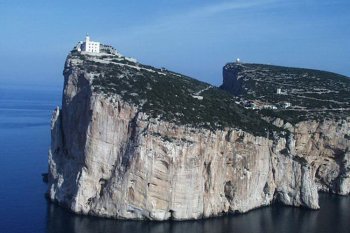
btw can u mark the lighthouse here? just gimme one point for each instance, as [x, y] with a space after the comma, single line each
[90, 46]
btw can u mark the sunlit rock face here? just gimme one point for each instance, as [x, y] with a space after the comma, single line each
[111, 158]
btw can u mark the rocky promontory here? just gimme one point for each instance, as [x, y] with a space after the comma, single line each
[136, 142]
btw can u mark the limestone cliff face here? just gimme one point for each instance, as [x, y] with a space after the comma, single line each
[110, 158]
[325, 146]
[318, 118]
[232, 80]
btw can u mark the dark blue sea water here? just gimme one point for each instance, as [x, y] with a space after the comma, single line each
[24, 141]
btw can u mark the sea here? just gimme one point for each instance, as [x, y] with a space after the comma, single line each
[25, 114]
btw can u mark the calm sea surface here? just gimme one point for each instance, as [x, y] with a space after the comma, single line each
[24, 141]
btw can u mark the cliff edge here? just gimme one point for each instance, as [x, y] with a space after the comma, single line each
[135, 142]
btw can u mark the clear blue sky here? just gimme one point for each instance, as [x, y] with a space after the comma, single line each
[194, 37]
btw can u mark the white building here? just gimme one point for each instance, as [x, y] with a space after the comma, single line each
[90, 46]
[268, 106]
[287, 104]
[279, 91]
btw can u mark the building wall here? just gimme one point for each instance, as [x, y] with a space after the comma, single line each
[91, 46]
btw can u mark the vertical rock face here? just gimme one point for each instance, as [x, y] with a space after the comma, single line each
[320, 134]
[232, 80]
[325, 146]
[109, 158]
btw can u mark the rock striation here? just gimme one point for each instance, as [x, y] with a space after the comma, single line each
[113, 154]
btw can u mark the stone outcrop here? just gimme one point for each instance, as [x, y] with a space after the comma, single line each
[108, 158]
[232, 80]
[325, 146]
[320, 133]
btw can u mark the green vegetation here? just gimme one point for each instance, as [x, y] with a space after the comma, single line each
[169, 96]
[313, 94]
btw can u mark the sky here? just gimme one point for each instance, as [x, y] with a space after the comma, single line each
[193, 37]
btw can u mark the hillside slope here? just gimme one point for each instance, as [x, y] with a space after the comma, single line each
[311, 94]
[169, 96]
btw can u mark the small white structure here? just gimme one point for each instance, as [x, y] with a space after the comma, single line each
[90, 46]
[238, 60]
[198, 97]
[279, 91]
[286, 104]
[268, 106]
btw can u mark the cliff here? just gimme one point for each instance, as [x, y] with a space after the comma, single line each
[317, 115]
[136, 142]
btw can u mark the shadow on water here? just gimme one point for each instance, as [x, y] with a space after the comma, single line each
[333, 217]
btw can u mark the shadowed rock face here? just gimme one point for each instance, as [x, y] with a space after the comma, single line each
[110, 158]
[232, 80]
